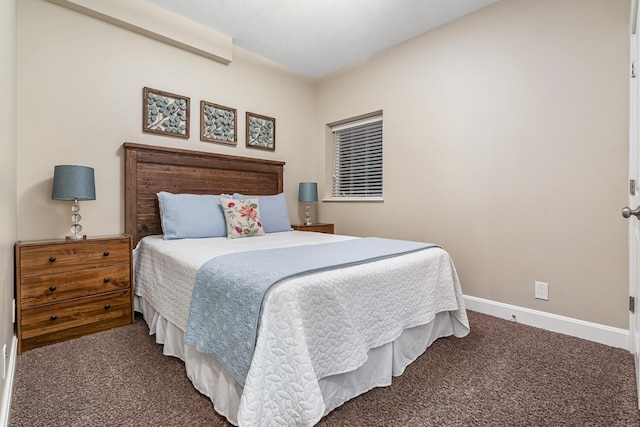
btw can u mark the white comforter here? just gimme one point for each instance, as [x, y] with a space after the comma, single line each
[313, 326]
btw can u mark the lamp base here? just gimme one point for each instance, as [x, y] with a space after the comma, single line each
[76, 228]
[307, 216]
[74, 237]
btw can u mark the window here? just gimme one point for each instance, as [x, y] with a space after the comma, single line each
[357, 154]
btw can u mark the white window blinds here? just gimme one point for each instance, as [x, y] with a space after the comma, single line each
[357, 168]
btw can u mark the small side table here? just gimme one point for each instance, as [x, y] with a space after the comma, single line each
[318, 228]
[70, 288]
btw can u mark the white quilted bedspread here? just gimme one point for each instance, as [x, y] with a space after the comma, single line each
[312, 326]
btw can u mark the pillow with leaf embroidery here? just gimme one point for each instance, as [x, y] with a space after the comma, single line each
[242, 217]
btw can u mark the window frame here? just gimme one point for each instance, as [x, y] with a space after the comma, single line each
[371, 118]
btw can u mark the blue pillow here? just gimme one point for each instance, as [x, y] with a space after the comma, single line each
[191, 216]
[273, 212]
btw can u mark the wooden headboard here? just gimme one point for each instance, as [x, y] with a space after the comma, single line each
[150, 169]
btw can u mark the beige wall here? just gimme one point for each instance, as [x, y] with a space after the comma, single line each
[7, 174]
[80, 86]
[505, 141]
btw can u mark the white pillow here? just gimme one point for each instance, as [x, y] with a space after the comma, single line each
[242, 217]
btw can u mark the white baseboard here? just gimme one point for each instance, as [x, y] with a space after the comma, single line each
[614, 337]
[5, 403]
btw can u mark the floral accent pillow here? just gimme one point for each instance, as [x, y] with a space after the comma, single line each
[242, 217]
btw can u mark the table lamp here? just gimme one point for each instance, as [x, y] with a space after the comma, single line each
[308, 192]
[75, 183]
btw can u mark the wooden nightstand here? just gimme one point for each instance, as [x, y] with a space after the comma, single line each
[69, 288]
[318, 228]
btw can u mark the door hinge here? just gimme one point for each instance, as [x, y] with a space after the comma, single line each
[633, 70]
[632, 304]
[632, 187]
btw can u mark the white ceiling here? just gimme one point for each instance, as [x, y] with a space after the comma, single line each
[318, 37]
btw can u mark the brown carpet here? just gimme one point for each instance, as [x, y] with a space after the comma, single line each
[501, 374]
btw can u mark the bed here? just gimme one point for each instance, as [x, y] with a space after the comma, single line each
[322, 338]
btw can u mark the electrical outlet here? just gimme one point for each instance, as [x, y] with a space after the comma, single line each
[542, 291]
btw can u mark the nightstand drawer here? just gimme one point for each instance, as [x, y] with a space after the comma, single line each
[50, 288]
[52, 318]
[71, 255]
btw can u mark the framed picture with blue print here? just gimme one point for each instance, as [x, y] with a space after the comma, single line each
[261, 132]
[218, 123]
[165, 113]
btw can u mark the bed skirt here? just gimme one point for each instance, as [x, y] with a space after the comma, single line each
[383, 363]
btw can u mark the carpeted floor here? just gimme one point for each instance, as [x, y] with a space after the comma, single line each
[502, 374]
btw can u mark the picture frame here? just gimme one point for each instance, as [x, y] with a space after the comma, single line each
[165, 113]
[261, 132]
[218, 123]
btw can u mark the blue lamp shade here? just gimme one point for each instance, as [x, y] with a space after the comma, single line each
[308, 192]
[73, 182]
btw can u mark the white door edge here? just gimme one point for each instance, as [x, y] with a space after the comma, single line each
[634, 199]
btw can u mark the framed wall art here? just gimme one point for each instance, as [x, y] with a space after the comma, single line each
[261, 132]
[218, 123]
[165, 113]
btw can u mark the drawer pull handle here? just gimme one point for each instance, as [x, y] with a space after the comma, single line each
[52, 259]
[106, 280]
[106, 253]
[52, 288]
[107, 306]
[53, 317]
